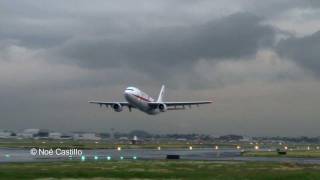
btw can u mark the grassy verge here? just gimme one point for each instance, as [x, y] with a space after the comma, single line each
[67, 144]
[159, 170]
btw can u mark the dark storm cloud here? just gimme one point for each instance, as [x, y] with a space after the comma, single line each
[273, 8]
[48, 23]
[235, 36]
[303, 50]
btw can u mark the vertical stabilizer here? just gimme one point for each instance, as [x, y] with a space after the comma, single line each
[161, 94]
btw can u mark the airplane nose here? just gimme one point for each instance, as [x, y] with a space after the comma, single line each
[127, 92]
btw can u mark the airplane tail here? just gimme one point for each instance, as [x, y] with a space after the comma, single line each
[161, 94]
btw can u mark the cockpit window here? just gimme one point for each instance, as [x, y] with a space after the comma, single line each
[130, 89]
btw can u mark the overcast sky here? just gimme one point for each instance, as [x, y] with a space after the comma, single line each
[260, 59]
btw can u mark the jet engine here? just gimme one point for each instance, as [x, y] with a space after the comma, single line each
[117, 107]
[162, 107]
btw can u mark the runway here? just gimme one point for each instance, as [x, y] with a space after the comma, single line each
[207, 154]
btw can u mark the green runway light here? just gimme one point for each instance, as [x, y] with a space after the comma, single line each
[121, 157]
[7, 155]
[96, 157]
[134, 157]
[83, 158]
[108, 158]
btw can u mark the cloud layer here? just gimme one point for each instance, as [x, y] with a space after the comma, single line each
[254, 56]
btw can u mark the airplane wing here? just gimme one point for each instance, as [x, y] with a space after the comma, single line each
[111, 104]
[179, 105]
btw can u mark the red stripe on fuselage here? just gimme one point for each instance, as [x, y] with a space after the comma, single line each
[142, 98]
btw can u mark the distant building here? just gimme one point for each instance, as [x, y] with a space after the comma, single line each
[123, 138]
[66, 136]
[231, 137]
[29, 133]
[245, 139]
[55, 135]
[34, 133]
[135, 140]
[43, 134]
[86, 136]
[104, 135]
[6, 134]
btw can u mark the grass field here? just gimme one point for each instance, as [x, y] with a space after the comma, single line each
[86, 144]
[67, 144]
[159, 170]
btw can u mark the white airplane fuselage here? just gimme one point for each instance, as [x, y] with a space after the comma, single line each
[140, 100]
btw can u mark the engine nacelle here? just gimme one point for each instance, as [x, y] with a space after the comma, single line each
[117, 107]
[162, 107]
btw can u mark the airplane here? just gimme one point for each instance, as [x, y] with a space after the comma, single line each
[139, 100]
